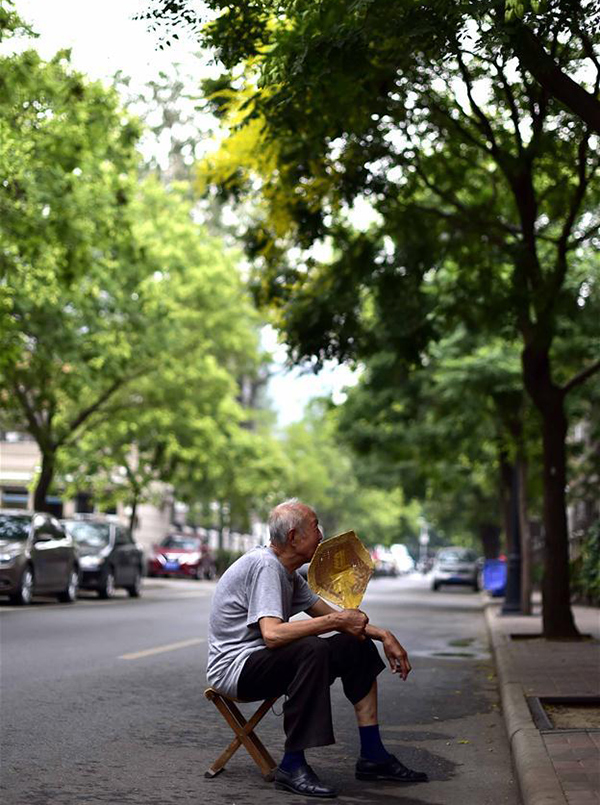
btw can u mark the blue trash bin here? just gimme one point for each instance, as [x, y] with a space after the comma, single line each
[494, 576]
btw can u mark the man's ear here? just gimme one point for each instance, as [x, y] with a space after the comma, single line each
[291, 537]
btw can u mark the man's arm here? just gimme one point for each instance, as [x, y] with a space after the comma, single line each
[395, 653]
[277, 633]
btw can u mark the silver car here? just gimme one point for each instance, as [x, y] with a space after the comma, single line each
[37, 556]
[455, 565]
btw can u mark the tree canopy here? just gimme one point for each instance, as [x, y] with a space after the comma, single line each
[127, 328]
[321, 469]
[240, 31]
[479, 189]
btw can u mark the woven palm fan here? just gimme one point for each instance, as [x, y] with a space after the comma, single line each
[340, 570]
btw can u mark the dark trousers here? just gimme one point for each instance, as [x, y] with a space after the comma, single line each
[303, 671]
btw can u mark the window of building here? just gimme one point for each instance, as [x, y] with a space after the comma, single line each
[15, 436]
[14, 498]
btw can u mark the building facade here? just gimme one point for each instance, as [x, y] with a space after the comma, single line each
[20, 463]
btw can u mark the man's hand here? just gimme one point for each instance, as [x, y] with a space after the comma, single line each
[352, 621]
[396, 655]
[355, 622]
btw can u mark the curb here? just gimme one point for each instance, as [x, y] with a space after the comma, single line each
[537, 779]
[156, 583]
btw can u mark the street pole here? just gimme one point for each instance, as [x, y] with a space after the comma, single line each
[512, 597]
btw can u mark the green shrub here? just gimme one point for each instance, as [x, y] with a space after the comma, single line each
[585, 570]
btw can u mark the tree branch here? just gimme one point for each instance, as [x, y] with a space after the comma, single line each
[466, 221]
[35, 427]
[562, 246]
[449, 199]
[83, 415]
[581, 377]
[108, 413]
[512, 105]
[532, 55]
[458, 126]
[485, 125]
[77, 421]
[587, 44]
[593, 230]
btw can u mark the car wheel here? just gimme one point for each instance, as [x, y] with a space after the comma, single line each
[435, 586]
[107, 585]
[24, 593]
[475, 587]
[69, 595]
[135, 589]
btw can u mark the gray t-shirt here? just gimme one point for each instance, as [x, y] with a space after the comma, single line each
[255, 586]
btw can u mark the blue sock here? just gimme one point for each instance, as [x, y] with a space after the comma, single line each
[292, 761]
[371, 747]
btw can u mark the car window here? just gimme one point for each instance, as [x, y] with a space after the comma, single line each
[90, 535]
[182, 543]
[14, 527]
[457, 555]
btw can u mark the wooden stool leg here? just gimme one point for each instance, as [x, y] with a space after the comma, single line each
[220, 762]
[244, 732]
[254, 746]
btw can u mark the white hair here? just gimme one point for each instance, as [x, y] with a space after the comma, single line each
[285, 516]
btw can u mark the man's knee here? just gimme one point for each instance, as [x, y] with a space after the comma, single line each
[351, 645]
[369, 647]
[313, 645]
[312, 650]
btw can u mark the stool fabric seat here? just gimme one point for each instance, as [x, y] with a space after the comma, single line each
[244, 734]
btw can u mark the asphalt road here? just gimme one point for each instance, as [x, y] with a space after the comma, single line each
[102, 703]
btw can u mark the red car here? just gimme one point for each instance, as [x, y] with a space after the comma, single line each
[182, 555]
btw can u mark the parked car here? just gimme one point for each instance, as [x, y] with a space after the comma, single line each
[37, 556]
[182, 555]
[108, 556]
[455, 565]
[384, 566]
[402, 558]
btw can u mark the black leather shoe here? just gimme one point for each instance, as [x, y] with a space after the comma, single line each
[390, 769]
[303, 781]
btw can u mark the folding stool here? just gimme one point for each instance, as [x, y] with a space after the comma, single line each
[244, 734]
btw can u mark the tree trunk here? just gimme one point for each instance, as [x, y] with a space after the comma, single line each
[134, 506]
[556, 597]
[506, 474]
[525, 540]
[512, 594]
[557, 616]
[44, 481]
[534, 58]
[489, 534]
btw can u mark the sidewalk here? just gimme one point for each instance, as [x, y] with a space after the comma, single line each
[554, 766]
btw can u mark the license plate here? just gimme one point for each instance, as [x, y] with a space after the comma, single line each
[171, 565]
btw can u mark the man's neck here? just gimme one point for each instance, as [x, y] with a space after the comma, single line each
[287, 558]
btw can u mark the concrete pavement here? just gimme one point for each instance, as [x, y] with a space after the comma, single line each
[102, 705]
[554, 766]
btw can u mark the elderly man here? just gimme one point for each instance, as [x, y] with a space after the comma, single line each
[256, 652]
